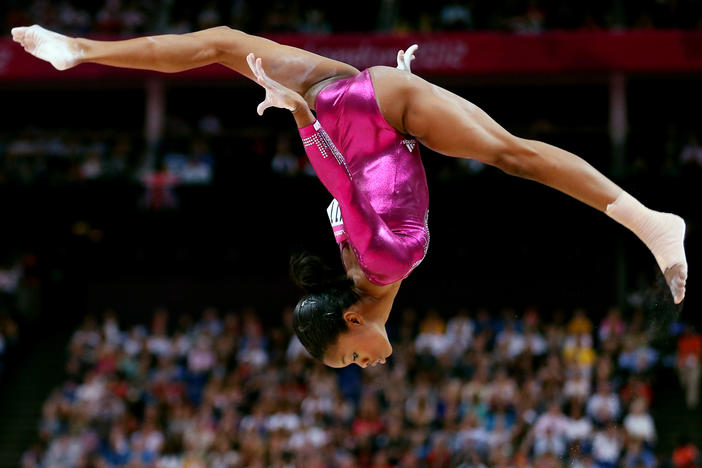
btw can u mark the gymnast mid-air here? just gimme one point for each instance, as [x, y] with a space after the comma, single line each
[363, 147]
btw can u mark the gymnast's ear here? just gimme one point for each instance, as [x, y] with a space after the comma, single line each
[353, 318]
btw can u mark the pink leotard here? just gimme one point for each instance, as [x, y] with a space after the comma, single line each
[376, 177]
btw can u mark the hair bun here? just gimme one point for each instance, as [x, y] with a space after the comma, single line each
[309, 272]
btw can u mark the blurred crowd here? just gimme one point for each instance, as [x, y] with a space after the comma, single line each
[12, 274]
[175, 16]
[472, 390]
[189, 154]
[9, 337]
[56, 157]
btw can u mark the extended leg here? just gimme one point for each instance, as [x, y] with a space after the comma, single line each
[455, 127]
[294, 68]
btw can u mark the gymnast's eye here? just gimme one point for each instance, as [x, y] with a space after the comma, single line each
[355, 356]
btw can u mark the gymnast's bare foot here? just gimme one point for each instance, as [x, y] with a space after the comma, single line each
[57, 49]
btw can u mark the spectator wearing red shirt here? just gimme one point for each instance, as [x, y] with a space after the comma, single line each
[685, 454]
[368, 422]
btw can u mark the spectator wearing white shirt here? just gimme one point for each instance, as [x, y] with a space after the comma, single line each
[284, 419]
[196, 171]
[201, 358]
[577, 386]
[503, 390]
[159, 344]
[553, 421]
[578, 425]
[603, 407]
[459, 332]
[607, 447]
[535, 343]
[636, 357]
[639, 423]
[510, 342]
[550, 442]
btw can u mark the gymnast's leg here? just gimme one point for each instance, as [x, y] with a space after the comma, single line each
[294, 68]
[455, 127]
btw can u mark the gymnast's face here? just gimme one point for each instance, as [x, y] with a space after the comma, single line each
[364, 343]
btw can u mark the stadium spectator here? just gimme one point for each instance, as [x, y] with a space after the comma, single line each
[685, 454]
[691, 155]
[639, 424]
[603, 407]
[607, 446]
[688, 364]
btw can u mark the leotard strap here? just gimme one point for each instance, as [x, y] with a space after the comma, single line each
[384, 256]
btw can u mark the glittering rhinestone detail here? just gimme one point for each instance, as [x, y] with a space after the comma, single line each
[315, 141]
[337, 154]
[426, 245]
[324, 142]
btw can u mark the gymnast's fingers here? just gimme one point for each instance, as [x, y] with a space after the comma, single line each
[409, 56]
[263, 106]
[18, 33]
[251, 60]
[261, 71]
[400, 59]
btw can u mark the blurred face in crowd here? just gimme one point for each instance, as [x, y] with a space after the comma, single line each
[364, 343]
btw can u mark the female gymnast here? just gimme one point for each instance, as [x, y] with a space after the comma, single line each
[363, 146]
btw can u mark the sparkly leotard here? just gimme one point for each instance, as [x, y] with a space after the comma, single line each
[376, 177]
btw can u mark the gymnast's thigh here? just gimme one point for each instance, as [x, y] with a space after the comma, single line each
[294, 68]
[438, 118]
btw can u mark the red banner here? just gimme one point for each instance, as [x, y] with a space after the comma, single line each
[441, 54]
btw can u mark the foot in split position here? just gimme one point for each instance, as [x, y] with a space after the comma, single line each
[52, 47]
[663, 234]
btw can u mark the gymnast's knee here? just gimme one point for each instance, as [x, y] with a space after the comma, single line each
[222, 39]
[518, 158]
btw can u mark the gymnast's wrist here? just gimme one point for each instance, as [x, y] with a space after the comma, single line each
[302, 114]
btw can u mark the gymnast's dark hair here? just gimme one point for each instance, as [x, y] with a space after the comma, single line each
[318, 317]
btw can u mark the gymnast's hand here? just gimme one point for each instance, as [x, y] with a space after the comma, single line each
[404, 58]
[277, 95]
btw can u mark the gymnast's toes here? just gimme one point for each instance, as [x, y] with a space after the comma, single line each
[676, 277]
[20, 35]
